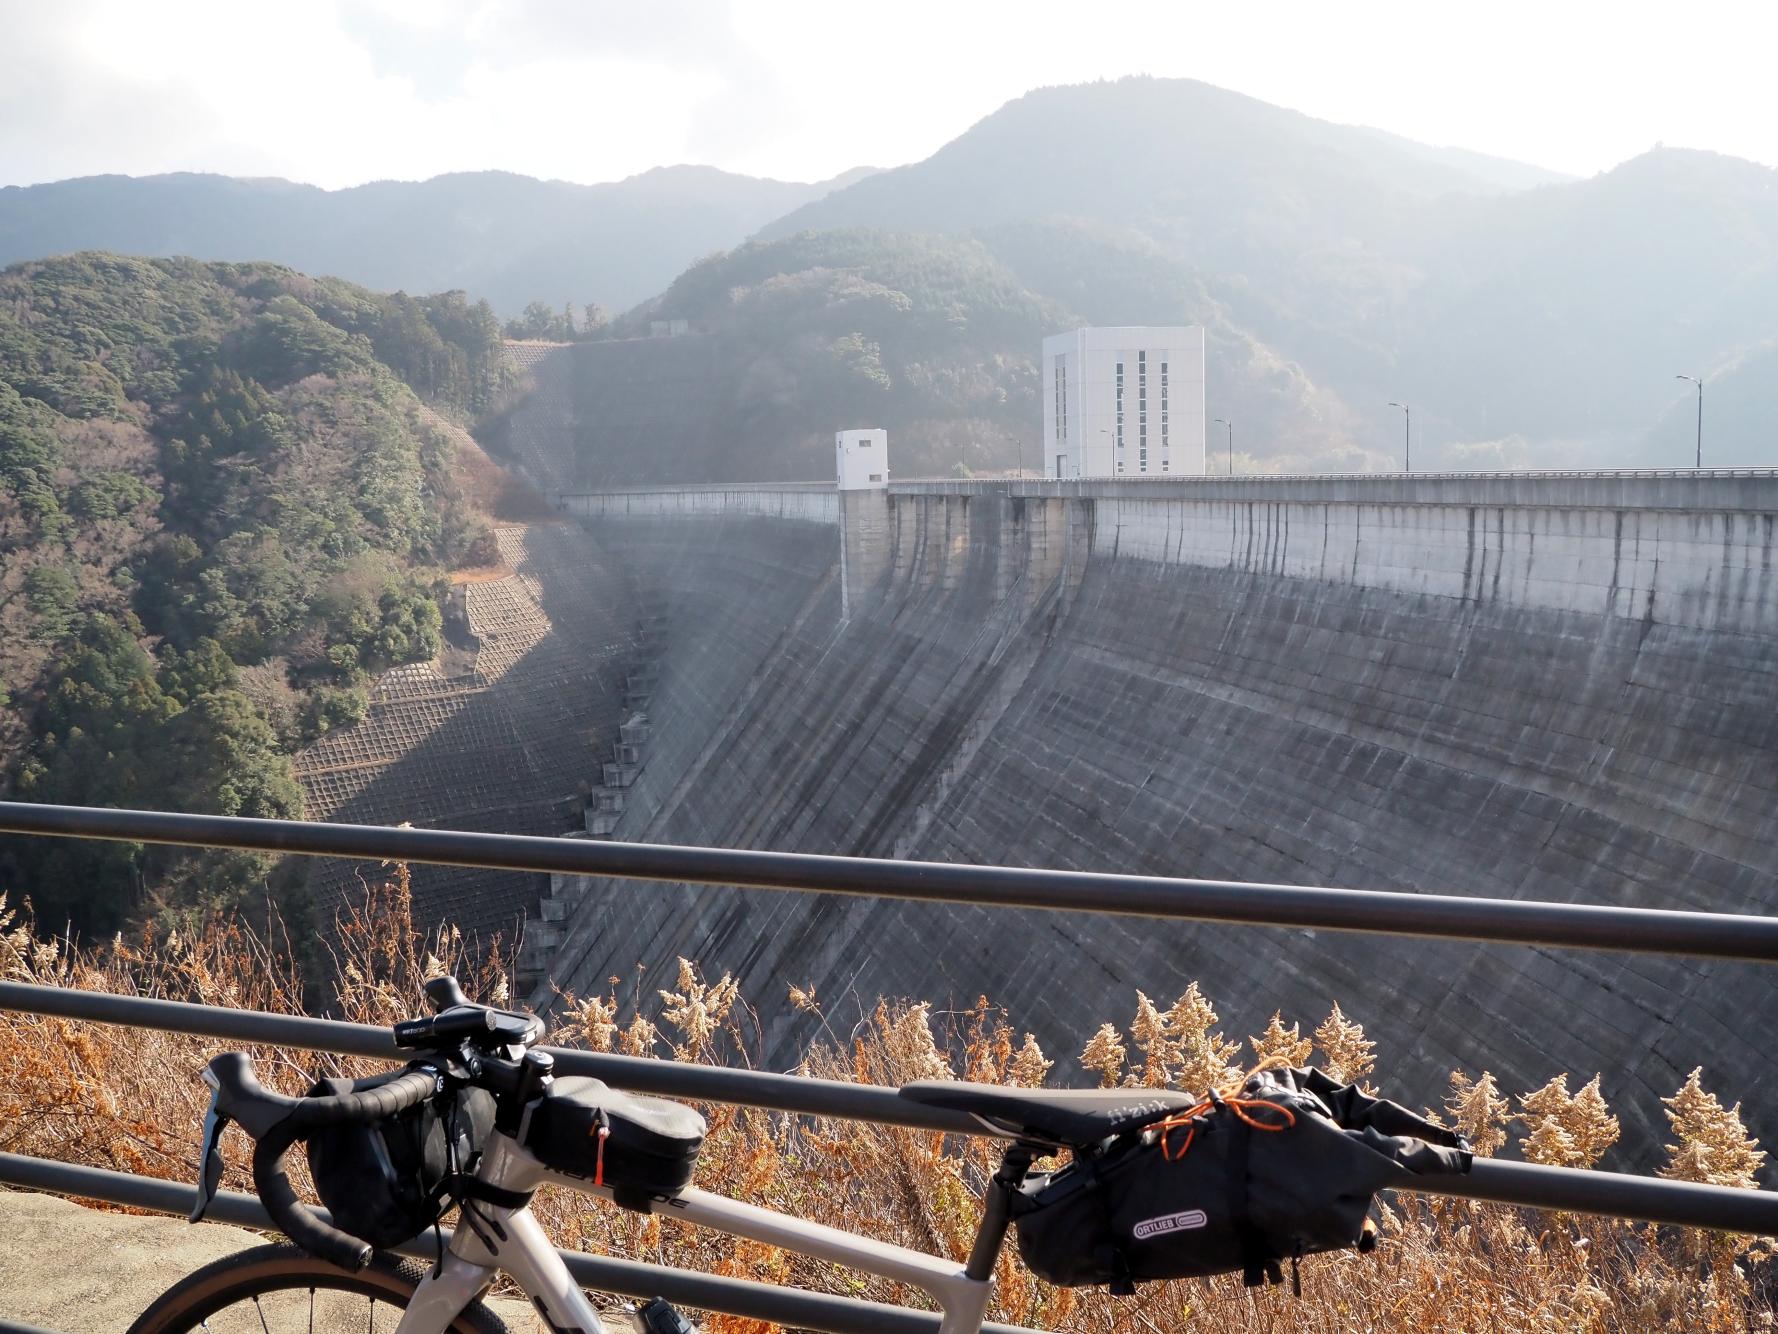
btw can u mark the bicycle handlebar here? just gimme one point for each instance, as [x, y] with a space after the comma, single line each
[276, 1123]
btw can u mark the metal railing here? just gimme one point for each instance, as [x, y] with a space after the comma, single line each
[1031, 475]
[1650, 1199]
[692, 488]
[1381, 912]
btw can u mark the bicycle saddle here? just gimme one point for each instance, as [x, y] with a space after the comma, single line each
[1071, 1117]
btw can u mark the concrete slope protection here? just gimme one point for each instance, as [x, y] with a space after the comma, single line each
[499, 736]
[1554, 688]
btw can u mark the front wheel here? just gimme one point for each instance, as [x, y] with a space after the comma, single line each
[273, 1289]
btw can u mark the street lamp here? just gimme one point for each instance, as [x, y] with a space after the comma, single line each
[1018, 443]
[1231, 427]
[1407, 435]
[1699, 381]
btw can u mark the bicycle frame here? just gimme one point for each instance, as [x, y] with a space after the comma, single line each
[512, 1241]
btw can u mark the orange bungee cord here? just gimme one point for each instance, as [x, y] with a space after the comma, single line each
[1245, 1108]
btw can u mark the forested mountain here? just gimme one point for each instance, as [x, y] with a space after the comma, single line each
[1526, 325]
[934, 337]
[929, 336]
[510, 239]
[223, 505]
[1529, 320]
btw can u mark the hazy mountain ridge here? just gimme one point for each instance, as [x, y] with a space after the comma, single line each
[1499, 172]
[1524, 316]
[505, 237]
[1556, 315]
[1157, 154]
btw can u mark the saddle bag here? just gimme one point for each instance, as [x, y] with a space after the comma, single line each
[386, 1182]
[1285, 1169]
[639, 1146]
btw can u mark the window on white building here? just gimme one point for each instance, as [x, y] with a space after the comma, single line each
[1061, 398]
[1120, 416]
[1142, 412]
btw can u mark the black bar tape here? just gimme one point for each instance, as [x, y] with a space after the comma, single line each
[365, 1105]
[298, 1221]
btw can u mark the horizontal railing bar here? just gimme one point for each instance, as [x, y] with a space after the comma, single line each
[629, 1278]
[1381, 912]
[673, 1079]
[1613, 1195]
[1645, 1199]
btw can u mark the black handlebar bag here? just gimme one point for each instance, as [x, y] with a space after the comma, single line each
[1286, 1168]
[386, 1182]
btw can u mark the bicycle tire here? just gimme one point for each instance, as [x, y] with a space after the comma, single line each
[240, 1280]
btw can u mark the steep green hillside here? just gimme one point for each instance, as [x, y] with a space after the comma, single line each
[222, 506]
[509, 238]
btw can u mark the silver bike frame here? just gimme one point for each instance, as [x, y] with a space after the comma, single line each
[513, 1241]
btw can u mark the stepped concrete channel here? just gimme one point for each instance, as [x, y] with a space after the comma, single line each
[1552, 686]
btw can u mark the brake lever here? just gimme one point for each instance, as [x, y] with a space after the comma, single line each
[210, 1162]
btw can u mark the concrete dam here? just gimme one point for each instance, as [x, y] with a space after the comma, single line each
[1543, 686]
[1533, 685]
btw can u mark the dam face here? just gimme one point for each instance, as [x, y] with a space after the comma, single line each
[1528, 686]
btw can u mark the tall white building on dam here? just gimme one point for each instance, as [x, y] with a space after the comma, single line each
[1124, 402]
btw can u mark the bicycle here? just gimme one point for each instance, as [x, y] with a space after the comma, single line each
[535, 1121]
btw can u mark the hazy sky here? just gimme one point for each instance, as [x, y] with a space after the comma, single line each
[341, 92]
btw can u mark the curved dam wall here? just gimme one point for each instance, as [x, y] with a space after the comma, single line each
[1556, 688]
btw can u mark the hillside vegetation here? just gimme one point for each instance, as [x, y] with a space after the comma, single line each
[129, 1100]
[929, 336]
[223, 506]
[934, 337]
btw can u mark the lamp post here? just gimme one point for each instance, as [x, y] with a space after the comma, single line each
[1221, 422]
[1018, 443]
[1699, 381]
[1407, 435]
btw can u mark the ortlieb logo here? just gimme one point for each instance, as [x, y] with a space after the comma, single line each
[1159, 1227]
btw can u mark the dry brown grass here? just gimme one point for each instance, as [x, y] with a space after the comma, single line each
[130, 1100]
[494, 491]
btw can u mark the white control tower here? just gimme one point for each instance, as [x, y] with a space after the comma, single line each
[861, 459]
